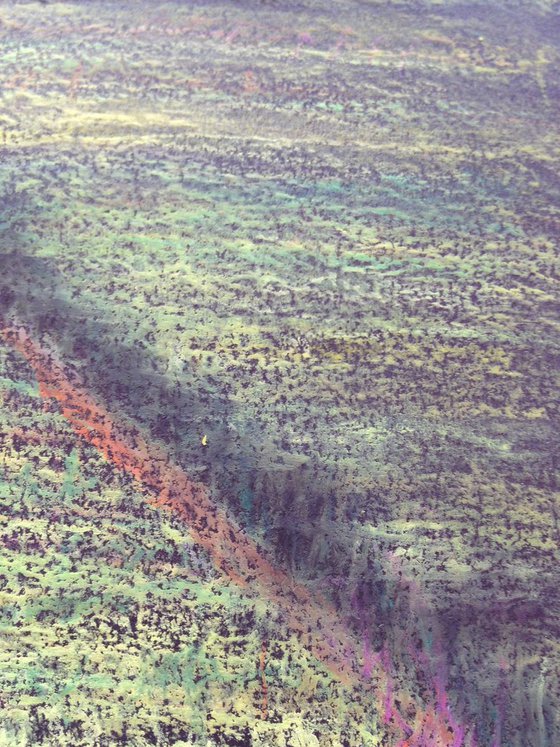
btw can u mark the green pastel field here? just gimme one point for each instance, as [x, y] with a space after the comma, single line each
[279, 373]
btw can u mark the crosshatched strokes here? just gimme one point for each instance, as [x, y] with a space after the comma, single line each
[302, 255]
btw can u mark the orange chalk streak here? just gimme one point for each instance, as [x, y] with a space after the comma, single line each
[310, 616]
[232, 550]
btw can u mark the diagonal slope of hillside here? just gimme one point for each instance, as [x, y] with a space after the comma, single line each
[311, 617]
[115, 627]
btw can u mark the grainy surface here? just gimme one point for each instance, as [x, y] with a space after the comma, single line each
[310, 250]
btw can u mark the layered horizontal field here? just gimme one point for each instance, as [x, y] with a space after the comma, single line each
[309, 253]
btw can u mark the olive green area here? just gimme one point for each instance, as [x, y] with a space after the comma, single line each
[324, 236]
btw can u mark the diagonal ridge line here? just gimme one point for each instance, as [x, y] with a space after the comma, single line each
[315, 621]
